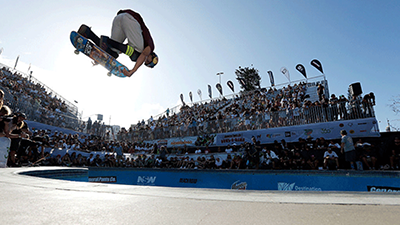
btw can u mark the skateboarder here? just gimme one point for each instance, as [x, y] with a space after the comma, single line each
[126, 25]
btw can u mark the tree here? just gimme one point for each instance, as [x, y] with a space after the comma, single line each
[248, 78]
[395, 104]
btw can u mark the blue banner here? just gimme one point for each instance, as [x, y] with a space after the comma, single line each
[252, 180]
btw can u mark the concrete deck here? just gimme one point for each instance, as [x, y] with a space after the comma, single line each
[33, 200]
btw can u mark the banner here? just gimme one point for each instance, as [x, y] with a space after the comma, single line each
[271, 78]
[219, 88]
[230, 85]
[16, 62]
[276, 180]
[331, 130]
[199, 93]
[302, 70]
[175, 142]
[191, 97]
[209, 91]
[286, 73]
[315, 63]
[182, 99]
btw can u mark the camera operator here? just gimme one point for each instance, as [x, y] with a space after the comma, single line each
[4, 140]
[19, 130]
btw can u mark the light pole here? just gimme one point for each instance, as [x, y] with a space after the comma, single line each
[220, 75]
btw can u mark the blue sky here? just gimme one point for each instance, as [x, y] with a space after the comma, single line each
[356, 41]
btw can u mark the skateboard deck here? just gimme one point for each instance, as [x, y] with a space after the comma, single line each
[98, 55]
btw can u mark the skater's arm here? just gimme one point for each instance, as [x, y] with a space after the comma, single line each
[143, 56]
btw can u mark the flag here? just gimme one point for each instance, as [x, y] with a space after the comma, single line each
[271, 78]
[315, 63]
[242, 82]
[219, 88]
[209, 91]
[191, 97]
[182, 99]
[199, 93]
[230, 85]
[1, 51]
[16, 62]
[286, 73]
[302, 70]
[29, 68]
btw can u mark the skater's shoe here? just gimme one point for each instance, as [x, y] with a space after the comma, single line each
[84, 30]
[106, 47]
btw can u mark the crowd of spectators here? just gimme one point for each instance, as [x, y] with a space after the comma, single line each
[263, 108]
[22, 93]
[306, 154]
[260, 109]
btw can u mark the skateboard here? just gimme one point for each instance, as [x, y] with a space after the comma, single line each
[99, 56]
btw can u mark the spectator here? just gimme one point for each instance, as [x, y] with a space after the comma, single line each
[228, 150]
[4, 140]
[218, 163]
[395, 153]
[347, 148]
[331, 159]
[369, 156]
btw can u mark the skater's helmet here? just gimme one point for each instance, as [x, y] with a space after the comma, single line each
[154, 61]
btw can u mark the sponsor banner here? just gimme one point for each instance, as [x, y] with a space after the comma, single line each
[103, 179]
[199, 93]
[188, 180]
[237, 185]
[231, 86]
[386, 182]
[301, 69]
[175, 142]
[16, 62]
[317, 64]
[271, 78]
[146, 180]
[219, 88]
[183, 102]
[282, 186]
[285, 72]
[330, 130]
[383, 189]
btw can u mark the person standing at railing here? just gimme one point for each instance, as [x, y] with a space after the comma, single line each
[333, 102]
[368, 102]
[342, 107]
[355, 105]
[320, 91]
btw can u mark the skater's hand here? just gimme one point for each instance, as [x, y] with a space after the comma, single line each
[128, 73]
[94, 63]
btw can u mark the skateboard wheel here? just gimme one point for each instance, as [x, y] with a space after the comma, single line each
[79, 40]
[109, 74]
[76, 51]
[113, 63]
